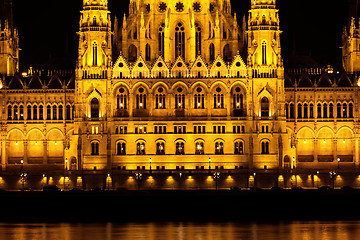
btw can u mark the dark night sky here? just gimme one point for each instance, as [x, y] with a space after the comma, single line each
[48, 28]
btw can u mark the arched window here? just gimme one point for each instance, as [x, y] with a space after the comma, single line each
[22, 112]
[265, 107]
[41, 112]
[132, 53]
[311, 110]
[219, 148]
[264, 55]
[95, 108]
[331, 110]
[351, 110]
[345, 113]
[199, 101]
[29, 112]
[325, 111]
[10, 113]
[180, 101]
[48, 112]
[160, 148]
[306, 115]
[219, 98]
[287, 111]
[319, 110]
[94, 148]
[140, 148]
[338, 110]
[160, 101]
[54, 112]
[198, 39]
[239, 148]
[161, 40]
[95, 54]
[68, 112]
[292, 111]
[180, 41]
[180, 148]
[141, 99]
[212, 52]
[199, 148]
[299, 112]
[121, 148]
[16, 114]
[94, 23]
[147, 53]
[265, 147]
[35, 113]
[61, 112]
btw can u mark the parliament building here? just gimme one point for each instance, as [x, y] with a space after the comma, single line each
[178, 87]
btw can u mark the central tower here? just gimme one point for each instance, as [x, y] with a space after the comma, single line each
[93, 83]
[181, 28]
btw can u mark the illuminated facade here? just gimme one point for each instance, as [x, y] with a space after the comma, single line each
[180, 96]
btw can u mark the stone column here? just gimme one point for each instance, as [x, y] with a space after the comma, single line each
[3, 154]
[26, 152]
[356, 151]
[45, 158]
[131, 105]
[315, 151]
[335, 150]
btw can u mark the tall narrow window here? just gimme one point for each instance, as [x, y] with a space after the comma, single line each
[21, 113]
[16, 113]
[54, 112]
[160, 148]
[28, 112]
[68, 112]
[325, 110]
[239, 148]
[95, 148]
[35, 113]
[140, 149]
[198, 39]
[95, 106]
[264, 57]
[148, 53]
[180, 41]
[331, 110]
[319, 110]
[219, 148]
[306, 115]
[212, 52]
[121, 149]
[180, 101]
[180, 148]
[351, 110]
[48, 112]
[61, 112]
[299, 114]
[265, 147]
[161, 39]
[265, 107]
[199, 148]
[311, 110]
[41, 112]
[338, 110]
[345, 115]
[10, 113]
[95, 54]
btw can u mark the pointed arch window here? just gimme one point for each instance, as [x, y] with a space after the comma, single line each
[61, 112]
[68, 112]
[95, 54]
[212, 52]
[306, 115]
[218, 99]
[35, 113]
[351, 110]
[147, 53]
[22, 112]
[161, 39]
[9, 113]
[338, 110]
[121, 148]
[41, 112]
[299, 111]
[141, 99]
[265, 147]
[239, 148]
[265, 107]
[16, 113]
[311, 110]
[325, 110]
[180, 41]
[28, 112]
[54, 112]
[345, 112]
[331, 110]
[48, 113]
[94, 108]
[198, 39]
[121, 99]
[264, 55]
[95, 148]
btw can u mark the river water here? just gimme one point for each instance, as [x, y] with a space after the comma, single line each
[183, 231]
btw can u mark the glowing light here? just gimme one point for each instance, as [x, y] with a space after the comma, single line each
[36, 143]
[16, 143]
[304, 141]
[324, 141]
[55, 143]
[24, 74]
[344, 141]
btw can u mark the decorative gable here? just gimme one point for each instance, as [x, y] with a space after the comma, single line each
[55, 82]
[179, 69]
[219, 68]
[238, 68]
[199, 69]
[140, 69]
[35, 83]
[160, 69]
[121, 69]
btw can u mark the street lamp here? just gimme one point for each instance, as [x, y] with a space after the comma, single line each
[65, 172]
[138, 177]
[209, 164]
[22, 165]
[338, 160]
[332, 178]
[150, 164]
[216, 178]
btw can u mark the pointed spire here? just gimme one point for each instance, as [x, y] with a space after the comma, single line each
[124, 21]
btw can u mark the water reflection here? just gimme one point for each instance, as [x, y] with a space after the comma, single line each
[183, 231]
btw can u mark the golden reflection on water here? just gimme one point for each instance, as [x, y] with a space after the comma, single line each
[183, 231]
